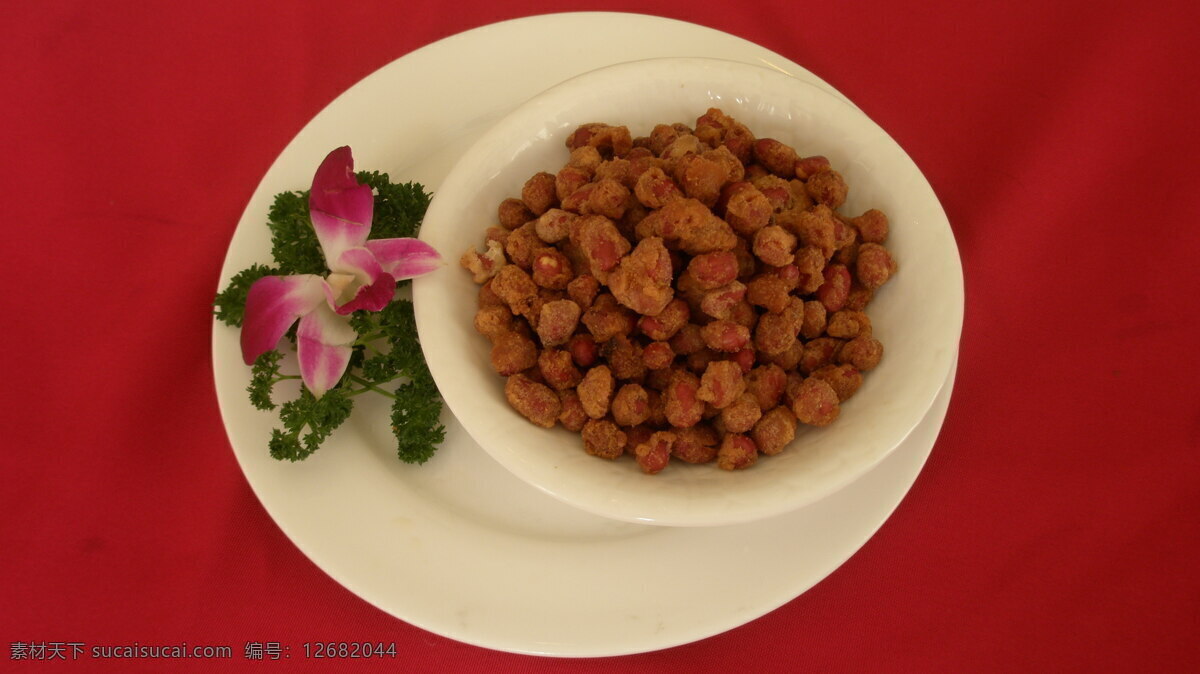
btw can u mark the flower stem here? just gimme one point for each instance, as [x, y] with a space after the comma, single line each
[366, 339]
[368, 386]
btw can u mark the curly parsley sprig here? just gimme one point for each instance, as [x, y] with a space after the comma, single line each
[387, 358]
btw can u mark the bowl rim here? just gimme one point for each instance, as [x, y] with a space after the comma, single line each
[500, 135]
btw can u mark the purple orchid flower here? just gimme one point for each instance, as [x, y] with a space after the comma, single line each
[363, 275]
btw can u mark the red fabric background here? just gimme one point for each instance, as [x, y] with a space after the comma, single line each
[1055, 527]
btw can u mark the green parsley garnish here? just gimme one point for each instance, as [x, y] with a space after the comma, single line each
[387, 358]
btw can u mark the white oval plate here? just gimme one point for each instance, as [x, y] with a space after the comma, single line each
[917, 315]
[458, 546]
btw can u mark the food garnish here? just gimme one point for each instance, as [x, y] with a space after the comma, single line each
[340, 252]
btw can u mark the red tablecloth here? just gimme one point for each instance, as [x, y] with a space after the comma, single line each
[1055, 527]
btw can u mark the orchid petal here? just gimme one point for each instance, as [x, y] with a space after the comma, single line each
[405, 258]
[340, 208]
[337, 286]
[359, 283]
[358, 261]
[323, 347]
[372, 297]
[273, 304]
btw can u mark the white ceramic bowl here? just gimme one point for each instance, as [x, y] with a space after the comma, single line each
[917, 315]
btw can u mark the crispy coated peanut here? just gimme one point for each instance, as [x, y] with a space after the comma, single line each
[789, 358]
[539, 193]
[696, 444]
[745, 359]
[568, 180]
[515, 287]
[691, 226]
[845, 379]
[497, 234]
[683, 145]
[747, 210]
[741, 414]
[863, 353]
[551, 269]
[814, 320]
[807, 167]
[819, 353]
[836, 288]
[815, 228]
[713, 270]
[583, 350]
[654, 455]
[847, 255]
[602, 438]
[606, 197]
[521, 244]
[698, 362]
[596, 390]
[688, 340]
[810, 270]
[721, 384]
[789, 274]
[769, 292]
[512, 353]
[661, 136]
[828, 187]
[610, 141]
[777, 191]
[777, 157]
[848, 324]
[774, 430]
[558, 370]
[766, 383]
[624, 358]
[747, 263]
[600, 243]
[655, 189]
[493, 321]
[799, 194]
[604, 323]
[872, 226]
[513, 213]
[773, 334]
[484, 267]
[489, 298]
[725, 335]
[557, 321]
[572, 417]
[774, 245]
[536, 402]
[583, 290]
[737, 452]
[859, 297]
[658, 355]
[631, 405]
[585, 157]
[642, 279]
[816, 403]
[719, 303]
[554, 225]
[636, 435]
[874, 265]
[701, 178]
[680, 404]
[734, 170]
